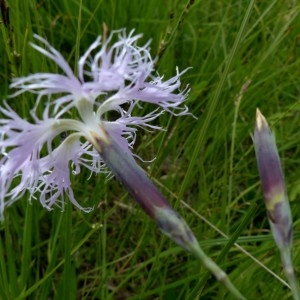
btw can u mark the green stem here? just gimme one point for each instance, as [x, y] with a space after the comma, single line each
[124, 167]
[288, 269]
[220, 275]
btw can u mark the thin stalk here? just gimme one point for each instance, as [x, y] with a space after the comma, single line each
[289, 272]
[220, 275]
[133, 177]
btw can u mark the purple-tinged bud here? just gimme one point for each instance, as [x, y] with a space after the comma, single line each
[135, 180]
[272, 181]
[123, 166]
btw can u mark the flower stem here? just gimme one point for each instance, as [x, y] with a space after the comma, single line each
[135, 180]
[289, 272]
[276, 198]
[220, 275]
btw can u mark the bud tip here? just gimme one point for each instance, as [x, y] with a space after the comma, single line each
[260, 120]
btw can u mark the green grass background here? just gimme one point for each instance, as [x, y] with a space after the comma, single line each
[205, 167]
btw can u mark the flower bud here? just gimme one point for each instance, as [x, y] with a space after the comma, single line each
[272, 181]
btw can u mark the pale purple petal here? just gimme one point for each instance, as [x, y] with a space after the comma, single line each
[21, 160]
[55, 178]
[111, 76]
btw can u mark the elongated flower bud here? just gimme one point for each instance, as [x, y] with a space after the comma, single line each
[135, 180]
[276, 199]
[272, 181]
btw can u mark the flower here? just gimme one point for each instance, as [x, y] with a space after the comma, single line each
[272, 181]
[38, 155]
[276, 198]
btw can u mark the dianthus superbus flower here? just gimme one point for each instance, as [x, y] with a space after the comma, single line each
[275, 194]
[112, 77]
